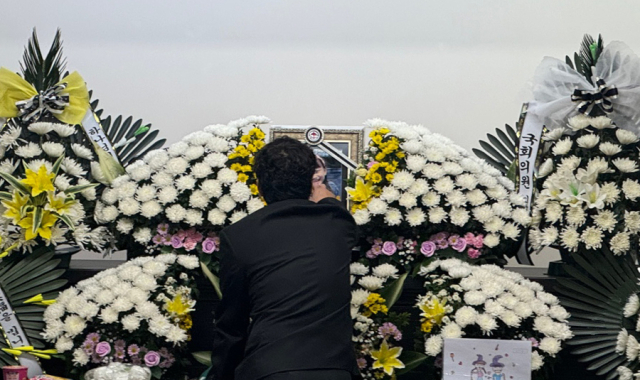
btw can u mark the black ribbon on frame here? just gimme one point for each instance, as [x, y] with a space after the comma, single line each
[601, 97]
[52, 100]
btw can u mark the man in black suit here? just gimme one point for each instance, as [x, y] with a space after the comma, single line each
[284, 276]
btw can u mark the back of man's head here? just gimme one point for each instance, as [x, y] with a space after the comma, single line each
[285, 169]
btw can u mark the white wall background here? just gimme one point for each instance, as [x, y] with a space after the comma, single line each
[460, 68]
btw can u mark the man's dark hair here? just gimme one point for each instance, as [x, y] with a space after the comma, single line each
[284, 169]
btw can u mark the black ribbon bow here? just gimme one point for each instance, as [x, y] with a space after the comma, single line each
[52, 100]
[600, 97]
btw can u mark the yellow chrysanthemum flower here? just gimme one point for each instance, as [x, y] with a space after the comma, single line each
[44, 230]
[243, 177]
[375, 304]
[178, 306]
[39, 181]
[387, 358]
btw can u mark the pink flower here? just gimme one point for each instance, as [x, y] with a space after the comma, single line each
[209, 245]
[362, 363]
[93, 337]
[478, 242]
[103, 349]
[469, 238]
[473, 253]
[163, 229]
[158, 239]
[389, 248]
[458, 243]
[133, 350]
[370, 164]
[428, 248]
[151, 359]
[534, 342]
[190, 244]
[389, 329]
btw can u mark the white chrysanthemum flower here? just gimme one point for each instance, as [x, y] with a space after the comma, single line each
[194, 152]
[625, 165]
[456, 198]
[145, 282]
[371, 283]
[215, 160]
[433, 171]
[591, 237]
[237, 216]
[437, 215]
[487, 180]
[72, 167]
[487, 323]
[537, 361]
[53, 149]
[41, 128]
[570, 239]
[415, 217]
[467, 181]
[606, 220]
[188, 261]
[632, 348]
[433, 345]
[621, 341]
[631, 189]
[80, 358]
[465, 316]
[175, 213]
[145, 193]
[240, 192]
[176, 165]
[139, 171]
[64, 130]
[588, 141]
[227, 176]
[194, 218]
[403, 179]
[358, 269]
[452, 168]
[216, 217]
[579, 122]
[377, 206]
[198, 138]
[562, 147]
[610, 149]
[451, 331]
[407, 200]
[632, 306]
[419, 187]
[359, 296]
[491, 240]
[147, 310]
[459, 216]
[198, 199]
[156, 159]
[212, 188]
[385, 271]
[142, 235]
[176, 335]
[626, 137]
[82, 151]
[254, 204]
[159, 325]
[201, 170]
[444, 185]
[361, 217]
[393, 217]
[475, 298]
[601, 122]
[64, 344]
[226, 203]
[167, 195]
[554, 134]
[129, 206]
[415, 163]
[546, 168]
[431, 199]
[150, 209]
[411, 146]
[74, 325]
[620, 243]
[126, 190]
[28, 151]
[185, 182]
[178, 149]
[476, 197]
[130, 322]
[390, 194]
[217, 144]
[550, 345]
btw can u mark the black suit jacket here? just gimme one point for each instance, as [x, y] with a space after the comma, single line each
[286, 296]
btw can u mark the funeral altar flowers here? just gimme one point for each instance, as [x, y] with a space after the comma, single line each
[41, 210]
[377, 336]
[627, 342]
[588, 187]
[419, 185]
[178, 198]
[466, 301]
[137, 313]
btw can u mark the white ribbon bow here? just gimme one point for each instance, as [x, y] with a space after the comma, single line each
[555, 82]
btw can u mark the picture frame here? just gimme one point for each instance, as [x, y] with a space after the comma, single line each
[486, 359]
[348, 140]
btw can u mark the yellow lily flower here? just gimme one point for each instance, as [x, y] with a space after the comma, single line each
[44, 230]
[362, 192]
[177, 306]
[432, 312]
[39, 181]
[387, 358]
[58, 204]
[14, 206]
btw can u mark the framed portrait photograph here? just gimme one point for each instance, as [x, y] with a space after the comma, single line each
[346, 140]
[486, 359]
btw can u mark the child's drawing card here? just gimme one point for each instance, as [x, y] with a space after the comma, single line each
[486, 359]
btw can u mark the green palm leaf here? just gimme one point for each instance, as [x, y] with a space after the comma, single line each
[43, 72]
[595, 293]
[500, 151]
[21, 279]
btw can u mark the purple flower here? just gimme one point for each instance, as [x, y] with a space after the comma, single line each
[389, 248]
[534, 342]
[439, 236]
[133, 350]
[362, 363]
[87, 347]
[119, 353]
[400, 242]
[163, 229]
[94, 337]
[459, 245]
[176, 241]
[377, 241]
[151, 359]
[389, 329]
[209, 245]
[428, 248]
[158, 239]
[119, 343]
[103, 349]
[370, 164]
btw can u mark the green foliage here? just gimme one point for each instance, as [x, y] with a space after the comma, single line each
[43, 72]
[500, 151]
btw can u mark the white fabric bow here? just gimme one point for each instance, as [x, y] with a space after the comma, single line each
[554, 84]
